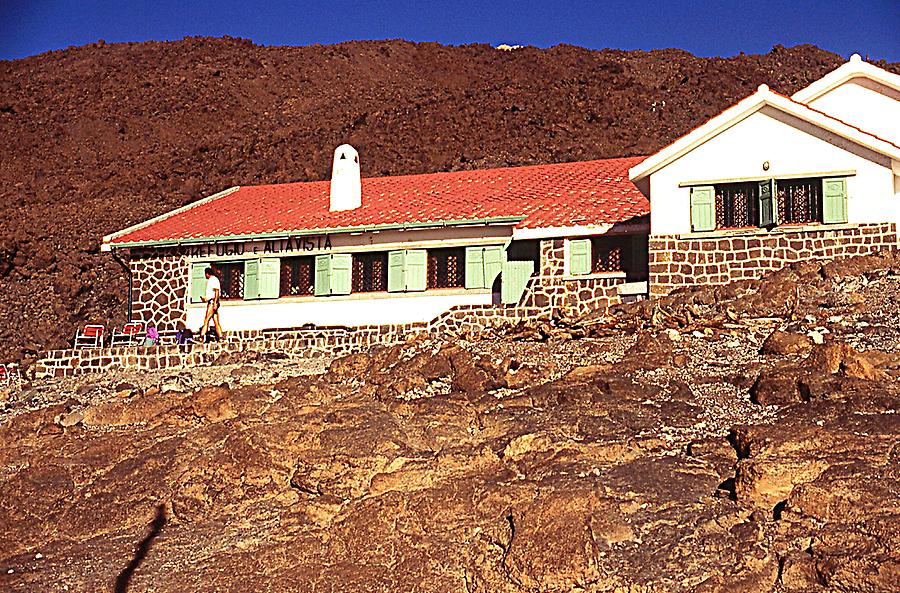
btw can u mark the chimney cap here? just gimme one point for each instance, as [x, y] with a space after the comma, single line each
[346, 186]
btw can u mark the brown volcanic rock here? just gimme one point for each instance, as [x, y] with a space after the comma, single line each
[100, 137]
[597, 476]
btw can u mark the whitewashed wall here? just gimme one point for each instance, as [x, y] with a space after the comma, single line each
[357, 308]
[866, 104]
[792, 147]
[348, 310]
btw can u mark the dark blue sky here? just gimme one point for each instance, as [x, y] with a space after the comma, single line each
[705, 28]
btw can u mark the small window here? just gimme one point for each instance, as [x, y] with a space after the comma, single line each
[737, 205]
[370, 272]
[231, 277]
[799, 200]
[608, 254]
[621, 253]
[297, 276]
[446, 268]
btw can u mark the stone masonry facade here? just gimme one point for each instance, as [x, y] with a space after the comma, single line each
[160, 287]
[552, 290]
[159, 284]
[685, 260]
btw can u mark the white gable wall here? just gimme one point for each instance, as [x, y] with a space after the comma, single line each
[792, 147]
[866, 104]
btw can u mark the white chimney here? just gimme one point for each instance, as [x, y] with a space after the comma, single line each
[346, 189]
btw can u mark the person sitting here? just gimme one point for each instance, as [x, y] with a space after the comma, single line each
[151, 337]
[183, 335]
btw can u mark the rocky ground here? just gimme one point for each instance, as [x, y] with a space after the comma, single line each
[741, 438]
[96, 138]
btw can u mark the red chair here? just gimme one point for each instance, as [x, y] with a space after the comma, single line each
[89, 337]
[130, 334]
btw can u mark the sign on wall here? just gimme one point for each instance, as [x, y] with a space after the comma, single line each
[308, 244]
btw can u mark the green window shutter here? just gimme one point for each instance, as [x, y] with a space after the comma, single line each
[341, 273]
[474, 267]
[198, 282]
[515, 278]
[579, 256]
[416, 269]
[703, 208]
[322, 284]
[494, 256]
[251, 279]
[768, 214]
[396, 271]
[834, 200]
[269, 278]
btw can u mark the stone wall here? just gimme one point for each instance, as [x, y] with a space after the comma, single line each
[160, 288]
[682, 260]
[159, 284]
[553, 291]
[300, 342]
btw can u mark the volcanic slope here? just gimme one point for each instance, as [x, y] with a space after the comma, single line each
[96, 138]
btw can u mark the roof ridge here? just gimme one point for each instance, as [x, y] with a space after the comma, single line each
[516, 168]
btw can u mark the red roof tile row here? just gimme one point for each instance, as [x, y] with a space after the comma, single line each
[566, 194]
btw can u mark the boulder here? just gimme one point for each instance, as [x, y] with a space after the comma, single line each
[785, 343]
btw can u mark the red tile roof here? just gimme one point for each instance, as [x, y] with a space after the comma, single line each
[566, 194]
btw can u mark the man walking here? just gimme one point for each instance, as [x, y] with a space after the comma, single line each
[212, 297]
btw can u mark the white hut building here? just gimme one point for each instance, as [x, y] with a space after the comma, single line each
[399, 250]
[777, 179]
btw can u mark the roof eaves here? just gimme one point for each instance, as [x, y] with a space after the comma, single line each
[855, 68]
[109, 239]
[497, 220]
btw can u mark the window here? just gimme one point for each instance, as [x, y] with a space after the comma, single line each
[769, 202]
[622, 253]
[737, 205]
[231, 277]
[297, 276]
[446, 268]
[608, 254]
[799, 200]
[370, 272]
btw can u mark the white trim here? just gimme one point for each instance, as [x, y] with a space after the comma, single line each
[744, 109]
[105, 246]
[594, 276]
[353, 296]
[560, 231]
[763, 231]
[633, 288]
[855, 68]
[847, 173]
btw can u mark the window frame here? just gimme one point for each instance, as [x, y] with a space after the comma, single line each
[818, 211]
[290, 276]
[238, 270]
[367, 259]
[438, 261]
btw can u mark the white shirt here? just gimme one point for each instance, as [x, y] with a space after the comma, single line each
[212, 285]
